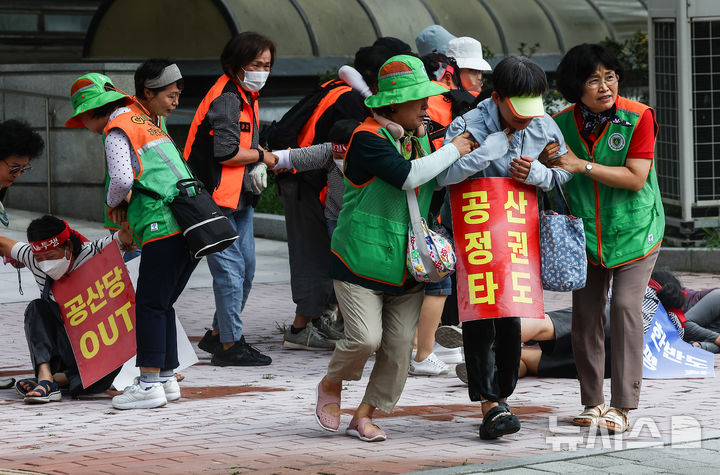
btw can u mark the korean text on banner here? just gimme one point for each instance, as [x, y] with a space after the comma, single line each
[667, 356]
[97, 301]
[495, 224]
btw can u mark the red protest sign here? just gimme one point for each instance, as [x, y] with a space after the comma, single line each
[97, 301]
[495, 225]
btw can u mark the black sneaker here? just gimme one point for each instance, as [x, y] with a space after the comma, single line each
[210, 343]
[240, 354]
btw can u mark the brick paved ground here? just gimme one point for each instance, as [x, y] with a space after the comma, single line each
[242, 420]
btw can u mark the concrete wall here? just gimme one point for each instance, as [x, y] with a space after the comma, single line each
[68, 177]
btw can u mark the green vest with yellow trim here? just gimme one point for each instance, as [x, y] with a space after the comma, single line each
[161, 166]
[371, 237]
[620, 225]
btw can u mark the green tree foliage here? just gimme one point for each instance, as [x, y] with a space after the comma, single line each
[633, 53]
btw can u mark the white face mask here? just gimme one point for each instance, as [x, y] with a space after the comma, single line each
[254, 80]
[55, 268]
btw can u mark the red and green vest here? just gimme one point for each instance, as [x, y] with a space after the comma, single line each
[620, 225]
[371, 237]
[161, 166]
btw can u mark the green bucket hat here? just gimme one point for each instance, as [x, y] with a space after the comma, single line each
[88, 92]
[402, 79]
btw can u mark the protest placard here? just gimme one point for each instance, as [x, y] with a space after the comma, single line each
[97, 301]
[495, 225]
[667, 356]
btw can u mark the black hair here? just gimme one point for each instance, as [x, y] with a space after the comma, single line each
[18, 138]
[519, 76]
[369, 60]
[108, 108]
[671, 295]
[342, 130]
[395, 45]
[435, 61]
[151, 69]
[579, 63]
[242, 49]
[48, 226]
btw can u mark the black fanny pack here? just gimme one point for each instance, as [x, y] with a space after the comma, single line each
[205, 228]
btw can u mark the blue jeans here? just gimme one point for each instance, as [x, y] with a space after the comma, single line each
[233, 270]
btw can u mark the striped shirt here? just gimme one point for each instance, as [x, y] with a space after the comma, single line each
[22, 252]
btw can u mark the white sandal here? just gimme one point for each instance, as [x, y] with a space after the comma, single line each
[618, 418]
[590, 416]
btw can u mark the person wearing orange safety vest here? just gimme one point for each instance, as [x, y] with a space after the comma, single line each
[308, 243]
[222, 149]
[141, 156]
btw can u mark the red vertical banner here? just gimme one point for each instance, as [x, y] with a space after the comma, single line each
[495, 226]
[97, 302]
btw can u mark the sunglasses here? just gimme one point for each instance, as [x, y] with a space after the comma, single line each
[17, 169]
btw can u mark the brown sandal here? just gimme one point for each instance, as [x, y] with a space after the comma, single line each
[590, 416]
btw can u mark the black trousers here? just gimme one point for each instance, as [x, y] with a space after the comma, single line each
[492, 355]
[308, 241]
[48, 343]
[165, 268]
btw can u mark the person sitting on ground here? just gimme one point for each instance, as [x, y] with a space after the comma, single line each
[19, 143]
[53, 251]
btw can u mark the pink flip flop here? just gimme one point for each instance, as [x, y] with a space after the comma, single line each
[357, 429]
[326, 421]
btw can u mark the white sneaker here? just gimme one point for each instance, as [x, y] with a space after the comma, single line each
[430, 366]
[172, 389]
[449, 355]
[134, 397]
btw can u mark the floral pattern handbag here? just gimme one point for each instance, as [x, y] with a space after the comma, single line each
[430, 254]
[562, 246]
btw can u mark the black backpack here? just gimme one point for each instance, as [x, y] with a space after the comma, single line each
[283, 134]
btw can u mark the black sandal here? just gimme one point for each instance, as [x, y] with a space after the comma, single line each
[48, 390]
[499, 421]
[32, 382]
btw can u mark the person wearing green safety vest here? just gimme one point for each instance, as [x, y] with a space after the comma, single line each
[158, 85]
[615, 191]
[140, 155]
[387, 155]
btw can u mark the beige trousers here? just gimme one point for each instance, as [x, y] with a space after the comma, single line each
[380, 323]
[626, 331]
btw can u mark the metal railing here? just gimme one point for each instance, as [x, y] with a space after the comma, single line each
[48, 113]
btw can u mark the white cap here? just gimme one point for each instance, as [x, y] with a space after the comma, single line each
[468, 54]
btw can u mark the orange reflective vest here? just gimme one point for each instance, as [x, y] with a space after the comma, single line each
[306, 137]
[161, 166]
[440, 111]
[199, 147]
